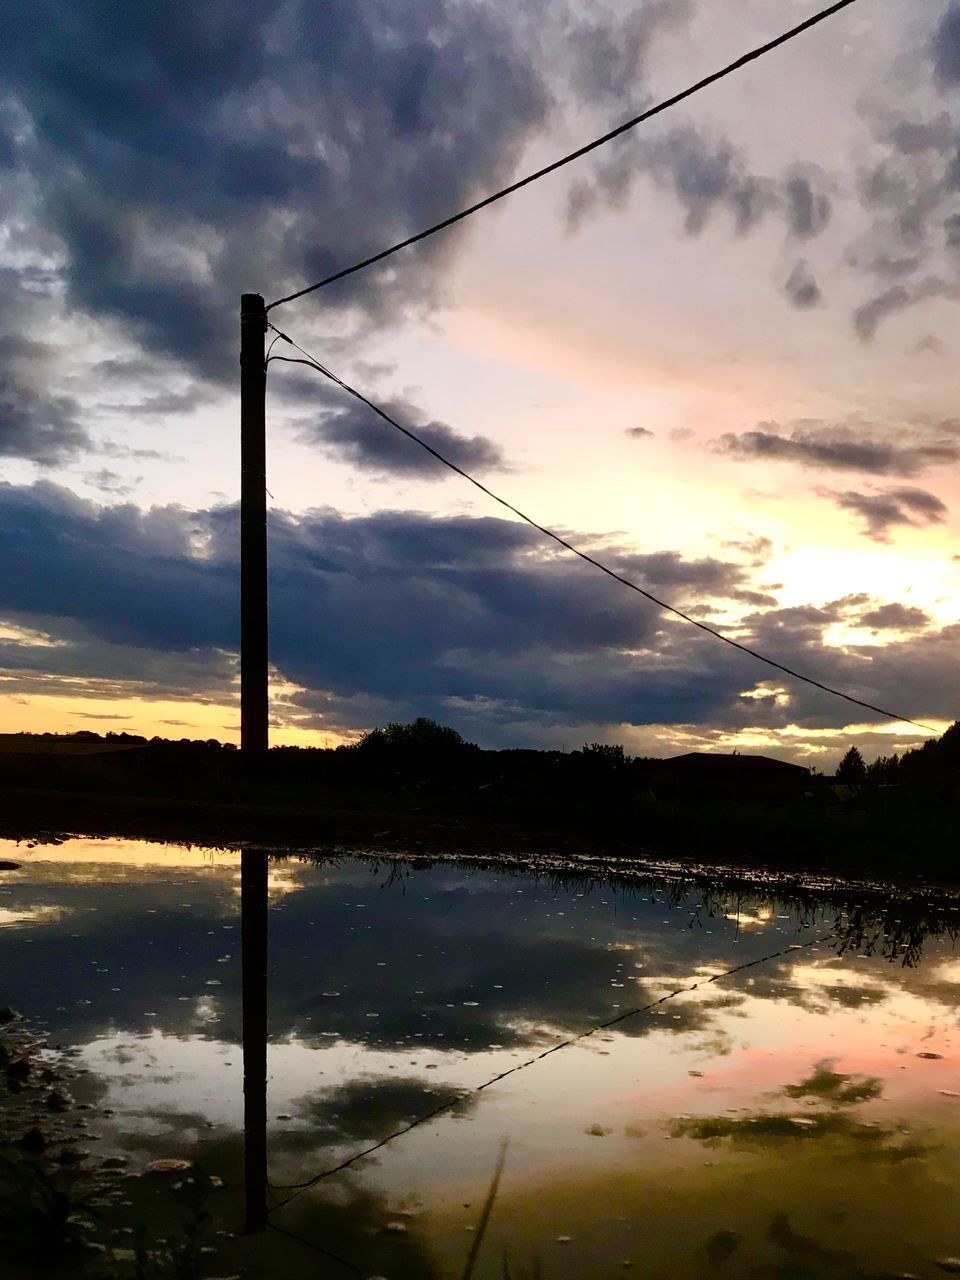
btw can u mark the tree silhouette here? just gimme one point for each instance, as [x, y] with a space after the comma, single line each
[851, 768]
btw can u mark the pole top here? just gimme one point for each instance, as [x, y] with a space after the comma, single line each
[252, 304]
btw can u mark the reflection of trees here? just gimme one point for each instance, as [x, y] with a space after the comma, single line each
[366, 1109]
[830, 1114]
[872, 920]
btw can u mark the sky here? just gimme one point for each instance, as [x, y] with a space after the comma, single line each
[719, 354]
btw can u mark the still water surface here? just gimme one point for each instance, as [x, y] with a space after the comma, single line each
[798, 1117]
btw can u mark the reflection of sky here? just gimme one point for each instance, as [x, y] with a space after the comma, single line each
[386, 999]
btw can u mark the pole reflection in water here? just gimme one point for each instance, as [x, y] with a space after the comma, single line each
[253, 908]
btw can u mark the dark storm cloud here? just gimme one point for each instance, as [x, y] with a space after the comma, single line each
[900, 617]
[353, 433]
[882, 511]
[428, 610]
[707, 176]
[708, 576]
[184, 154]
[801, 286]
[475, 621]
[915, 675]
[850, 446]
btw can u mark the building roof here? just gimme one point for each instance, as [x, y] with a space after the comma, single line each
[719, 762]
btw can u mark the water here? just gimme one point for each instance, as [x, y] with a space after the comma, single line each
[793, 1110]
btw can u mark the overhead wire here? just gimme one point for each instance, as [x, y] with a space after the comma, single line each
[312, 362]
[617, 132]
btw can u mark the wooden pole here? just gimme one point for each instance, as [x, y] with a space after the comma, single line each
[254, 741]
[253, 529]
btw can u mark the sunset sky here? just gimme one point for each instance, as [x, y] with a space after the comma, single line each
[720, 354]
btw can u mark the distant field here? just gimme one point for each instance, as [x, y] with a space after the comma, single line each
[25, 745]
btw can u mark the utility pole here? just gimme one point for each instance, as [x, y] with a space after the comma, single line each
[254, 741]
[253, 529]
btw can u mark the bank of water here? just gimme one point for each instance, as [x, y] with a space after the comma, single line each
[787, 1103]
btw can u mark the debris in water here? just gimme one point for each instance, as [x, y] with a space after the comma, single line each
[33, 1142]
[73, 1155]
[721, 1246]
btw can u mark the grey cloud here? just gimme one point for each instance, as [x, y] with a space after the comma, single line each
[638, 433]
[900, 617]
[913, 136]
[807, 204]
[134, 369]
[353, 433]
[107, 481]
[757, 548]
[870, 315]
[801, 286]
[35, 423]
[714, 578]
[904, 450]
[909, 190]
[931, 344]
[882, 511]
[946, 47]
[162, 404]
[112, 449]
[279, 124]
[706, 176]
[610, 56]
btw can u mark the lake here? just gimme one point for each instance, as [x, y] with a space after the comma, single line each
[786, 1102]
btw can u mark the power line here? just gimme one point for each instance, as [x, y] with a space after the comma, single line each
[627, 125]
[318, 1248]
[297, 1188]
[313, 363]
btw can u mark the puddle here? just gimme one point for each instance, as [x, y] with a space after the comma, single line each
[785, 1105]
